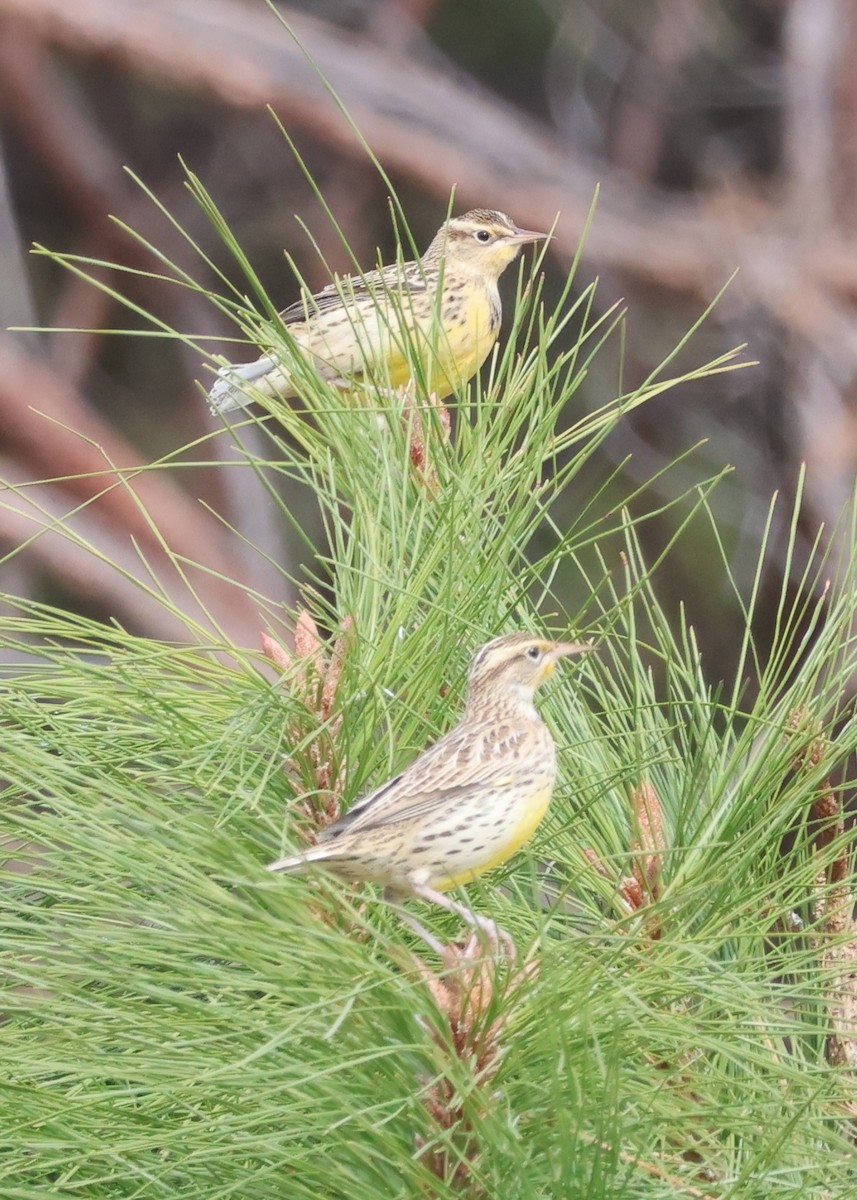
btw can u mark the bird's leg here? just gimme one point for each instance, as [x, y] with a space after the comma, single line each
[494, 934]
[414, 925]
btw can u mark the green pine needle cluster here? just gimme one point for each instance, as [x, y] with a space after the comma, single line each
[178, 1022]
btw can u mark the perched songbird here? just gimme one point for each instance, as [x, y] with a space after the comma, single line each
[446, 305]
[468, 802]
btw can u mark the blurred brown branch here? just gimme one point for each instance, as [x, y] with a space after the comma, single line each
[55, 432]
[409, 113]
[84, 164]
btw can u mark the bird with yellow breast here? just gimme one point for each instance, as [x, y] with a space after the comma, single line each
[467, 803]
[442, 310]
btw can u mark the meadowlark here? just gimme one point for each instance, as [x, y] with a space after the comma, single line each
[446, 305]
[467, 803]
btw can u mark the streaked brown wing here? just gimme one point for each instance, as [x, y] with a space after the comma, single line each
[397, 813]
[362, 808]
[432, 781]
[301, 310]
[358, 286]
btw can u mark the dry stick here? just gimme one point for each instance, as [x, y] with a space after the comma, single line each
[846, 110]
[17, 306]
[812, 46]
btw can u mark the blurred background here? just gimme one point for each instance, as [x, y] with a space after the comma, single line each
[722, 135]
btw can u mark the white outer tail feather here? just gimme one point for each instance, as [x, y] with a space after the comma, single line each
[228, 394]
[296, 862]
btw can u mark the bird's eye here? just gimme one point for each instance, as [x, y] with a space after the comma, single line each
[534, 653]
[483, 235]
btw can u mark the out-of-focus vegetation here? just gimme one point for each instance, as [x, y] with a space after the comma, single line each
[720, 135]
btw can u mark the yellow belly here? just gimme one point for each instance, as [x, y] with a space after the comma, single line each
[518, 834]
[450, 356]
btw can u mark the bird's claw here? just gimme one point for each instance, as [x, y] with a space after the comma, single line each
[488, 933]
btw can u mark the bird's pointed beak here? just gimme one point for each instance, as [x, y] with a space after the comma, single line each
[563, 649]
[521, 237]
[560, 650]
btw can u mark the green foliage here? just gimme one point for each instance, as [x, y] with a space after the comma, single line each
[180, 1023]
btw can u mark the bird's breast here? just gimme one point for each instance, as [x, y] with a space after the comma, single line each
[379, 337]
[509, 827]
[470, 322]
